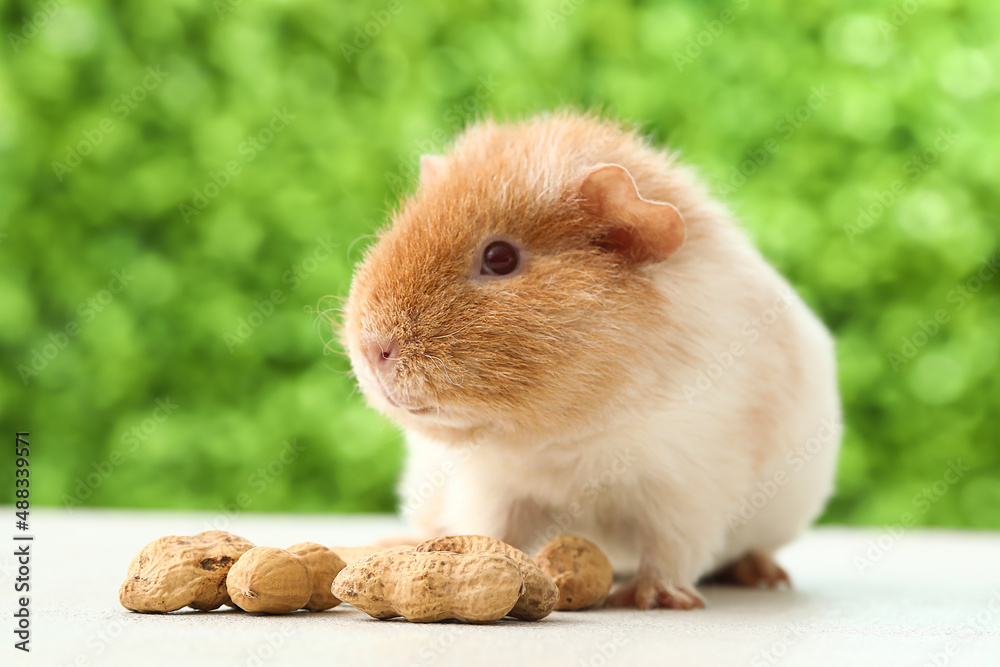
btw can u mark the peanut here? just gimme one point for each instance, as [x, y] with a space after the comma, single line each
[177, 571]
[269, 580]
[540, 592]
[323, 565]
[580, 569]
[432, 586]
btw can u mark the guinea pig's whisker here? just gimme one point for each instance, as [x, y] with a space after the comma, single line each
[446, 373]
[341, 300]
[332, 346]
[460, 330]
[338, 372]
[324, 317]
[332, 317]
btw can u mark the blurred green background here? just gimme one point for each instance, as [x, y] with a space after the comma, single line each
[185, 186]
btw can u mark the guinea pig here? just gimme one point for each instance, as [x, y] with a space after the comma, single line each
[575, 337]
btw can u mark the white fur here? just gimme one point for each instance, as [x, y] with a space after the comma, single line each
[723, 440]
[665, 482]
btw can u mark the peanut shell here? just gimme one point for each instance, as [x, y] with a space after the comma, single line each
[540, 592]
[580, 569]
[269, 580]
[182, 571]
[323, 565]
[432, 586]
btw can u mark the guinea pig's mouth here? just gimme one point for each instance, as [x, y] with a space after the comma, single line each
[394, 402]
[413, 410]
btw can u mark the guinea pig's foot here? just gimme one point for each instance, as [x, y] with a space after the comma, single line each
[650, 593]
[755, 569]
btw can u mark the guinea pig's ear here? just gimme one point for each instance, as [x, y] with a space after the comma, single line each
[642, 231]
[430, 167]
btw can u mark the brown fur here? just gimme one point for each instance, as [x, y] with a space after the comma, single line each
[523, 354]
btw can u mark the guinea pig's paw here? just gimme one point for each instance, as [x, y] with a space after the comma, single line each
[646, 592]
[755, 569]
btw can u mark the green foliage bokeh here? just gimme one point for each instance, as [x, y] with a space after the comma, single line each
[229, 158]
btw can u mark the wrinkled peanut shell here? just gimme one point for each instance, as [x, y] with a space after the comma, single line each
[432, 586]
[540, 592]
[579, 568]
[182, 571]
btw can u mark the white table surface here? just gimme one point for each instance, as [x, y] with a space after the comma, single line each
[927, 598]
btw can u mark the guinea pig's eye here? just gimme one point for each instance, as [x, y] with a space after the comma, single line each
[499, 259]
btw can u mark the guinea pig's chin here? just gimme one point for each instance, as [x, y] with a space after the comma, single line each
[388, 403]
[433, 420]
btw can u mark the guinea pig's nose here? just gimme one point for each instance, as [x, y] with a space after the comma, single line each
[381, 353]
